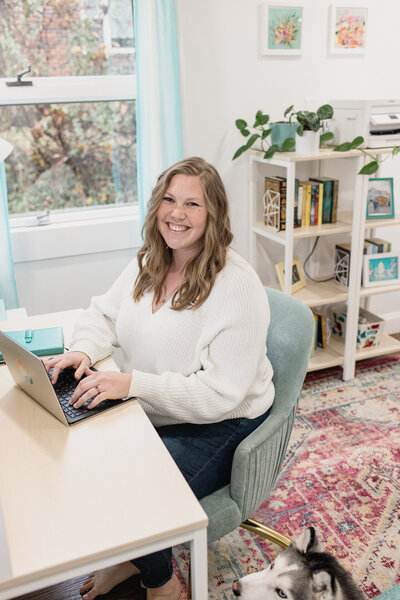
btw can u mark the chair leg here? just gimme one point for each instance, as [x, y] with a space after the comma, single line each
[266, 532]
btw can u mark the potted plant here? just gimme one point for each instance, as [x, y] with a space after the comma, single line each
[308, 125]
[257, 137]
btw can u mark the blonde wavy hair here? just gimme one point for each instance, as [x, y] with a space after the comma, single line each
[155, 256]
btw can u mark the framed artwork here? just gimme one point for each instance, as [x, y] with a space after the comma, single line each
[381, 269]
[281, 28]
[380, 202]
[298, 279]
[347, 29]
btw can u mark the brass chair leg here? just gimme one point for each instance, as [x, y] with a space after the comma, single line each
[266, 532]
[261, 530]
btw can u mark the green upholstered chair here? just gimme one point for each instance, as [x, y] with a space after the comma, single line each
[258, 459]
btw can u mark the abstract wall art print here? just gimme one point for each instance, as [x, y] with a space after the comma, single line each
[281, 29]
[347, 29]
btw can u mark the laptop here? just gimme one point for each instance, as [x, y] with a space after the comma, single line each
[29, 373]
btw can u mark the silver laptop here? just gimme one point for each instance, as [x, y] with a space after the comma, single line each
[29, 373]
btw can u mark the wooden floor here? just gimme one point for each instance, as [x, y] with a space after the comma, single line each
[69, 590]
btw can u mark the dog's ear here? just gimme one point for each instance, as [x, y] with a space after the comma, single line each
[307, 541]
[323, 585]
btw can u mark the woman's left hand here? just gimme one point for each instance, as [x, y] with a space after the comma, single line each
[101, 385]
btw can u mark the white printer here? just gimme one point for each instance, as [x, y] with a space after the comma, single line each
[378, 121]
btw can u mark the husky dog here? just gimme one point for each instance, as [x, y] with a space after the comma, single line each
[303, 571]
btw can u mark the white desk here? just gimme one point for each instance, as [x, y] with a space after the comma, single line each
[81, 498]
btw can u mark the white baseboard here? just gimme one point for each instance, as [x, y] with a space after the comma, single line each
[392, 322]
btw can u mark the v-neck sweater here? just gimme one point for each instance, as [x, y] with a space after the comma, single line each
[200, 365]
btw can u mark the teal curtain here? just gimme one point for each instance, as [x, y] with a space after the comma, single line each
[158, 104]
[8, 289]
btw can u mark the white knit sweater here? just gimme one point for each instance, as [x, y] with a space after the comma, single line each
[198, 366]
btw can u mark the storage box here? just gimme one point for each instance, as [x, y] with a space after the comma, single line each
[370, 326]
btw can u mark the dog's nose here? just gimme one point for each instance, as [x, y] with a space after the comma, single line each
[236, 587]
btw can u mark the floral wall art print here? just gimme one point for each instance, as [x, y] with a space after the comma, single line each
[348, 29]
[281, 29]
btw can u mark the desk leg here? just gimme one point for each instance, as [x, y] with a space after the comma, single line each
[198, 565]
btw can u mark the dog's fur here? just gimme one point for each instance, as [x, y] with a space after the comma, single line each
[303, 571]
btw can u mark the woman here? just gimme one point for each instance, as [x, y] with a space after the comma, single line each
[191, 318]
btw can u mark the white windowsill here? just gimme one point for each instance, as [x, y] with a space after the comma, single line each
[74, 238]
[70, 89]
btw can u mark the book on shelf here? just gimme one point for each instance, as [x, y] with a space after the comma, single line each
[379, 245]
[305, 187]
[320, 334]
[283, 195]
[330, 198]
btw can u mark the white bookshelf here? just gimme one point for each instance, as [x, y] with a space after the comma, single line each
[353, 221]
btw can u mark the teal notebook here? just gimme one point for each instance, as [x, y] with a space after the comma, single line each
[39, 341]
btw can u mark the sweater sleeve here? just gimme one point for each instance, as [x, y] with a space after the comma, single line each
[233, 360]
[95, 332]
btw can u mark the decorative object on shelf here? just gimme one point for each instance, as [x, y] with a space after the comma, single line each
[342, 263]
[347, 29]
[381, 269]
[275, 203]
[380, 203]
[298, 279]
[281, 131]
[370, 326]
[281, 28]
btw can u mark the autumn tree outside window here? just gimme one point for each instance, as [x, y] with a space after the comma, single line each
[74, 130]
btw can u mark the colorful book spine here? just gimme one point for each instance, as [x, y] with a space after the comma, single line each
[335, 192]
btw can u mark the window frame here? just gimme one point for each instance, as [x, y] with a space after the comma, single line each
[64, 90]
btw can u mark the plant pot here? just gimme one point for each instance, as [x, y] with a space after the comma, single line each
[281, 131]
[308, 143]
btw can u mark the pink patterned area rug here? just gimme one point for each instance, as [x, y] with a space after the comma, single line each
[341, 475]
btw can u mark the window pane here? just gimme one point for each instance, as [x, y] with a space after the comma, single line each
[66, 37]
[70, 155]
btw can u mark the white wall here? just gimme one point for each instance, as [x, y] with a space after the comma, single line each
[224, 78]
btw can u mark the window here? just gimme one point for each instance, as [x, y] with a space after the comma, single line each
[74, 129]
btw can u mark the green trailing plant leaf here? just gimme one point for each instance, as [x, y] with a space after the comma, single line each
[247, 146]
[239, 152]
[396, 150]
[325, 112]
[265, 133]
[325, 137]
[369, 168]
[345, 147]
[287, 145]
[357, 141]
[288, 110]
[271, 151]
[241, 124]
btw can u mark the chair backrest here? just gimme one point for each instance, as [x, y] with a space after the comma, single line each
[258, 459]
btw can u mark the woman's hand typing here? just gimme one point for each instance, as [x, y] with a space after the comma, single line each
[100, 385]
[77, 360]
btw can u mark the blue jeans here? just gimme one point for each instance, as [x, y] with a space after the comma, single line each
[204, 455]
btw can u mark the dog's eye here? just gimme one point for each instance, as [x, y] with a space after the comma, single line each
[280, 593]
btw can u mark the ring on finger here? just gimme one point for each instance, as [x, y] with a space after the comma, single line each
[97, 389]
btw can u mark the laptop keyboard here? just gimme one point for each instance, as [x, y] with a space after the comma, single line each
[65, 387]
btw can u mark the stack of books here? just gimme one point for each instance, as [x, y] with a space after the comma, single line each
[315, 202]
